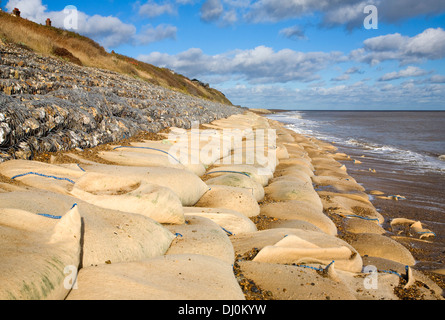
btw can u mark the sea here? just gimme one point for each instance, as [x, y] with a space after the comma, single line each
[398, 153]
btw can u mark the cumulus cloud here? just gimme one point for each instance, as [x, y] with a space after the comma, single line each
[437, 78]
[28, 8]
[259, 65]
[339, 96]
[342, 77]
[294, 33]
[152, 9]
[405, 73]
[353, 70]
[109, 31]
[428, 45]
[151, 34]
[347, 13]
[211, 10]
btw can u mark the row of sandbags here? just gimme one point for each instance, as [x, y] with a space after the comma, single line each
[129, 229]
[169, 224]
[301, 255]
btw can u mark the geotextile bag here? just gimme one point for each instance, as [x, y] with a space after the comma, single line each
[36, 253]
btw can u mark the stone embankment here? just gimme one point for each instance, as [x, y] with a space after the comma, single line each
[48, 105]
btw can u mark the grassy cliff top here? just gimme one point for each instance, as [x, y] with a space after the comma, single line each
[81, 50]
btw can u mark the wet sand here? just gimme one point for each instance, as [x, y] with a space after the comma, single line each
[424, 193]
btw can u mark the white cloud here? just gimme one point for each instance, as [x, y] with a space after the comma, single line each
[405, 73]
[152, 9]
[211, 10]
[347, 13]
[294, 32]
[343, 77]
[259, 65]
[28, 8]
[109, 31]
[437, 78]
[151, 34]
[353, 70]
[428, 45]
[357, 95]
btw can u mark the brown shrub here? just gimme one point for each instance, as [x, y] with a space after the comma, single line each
[66, 55]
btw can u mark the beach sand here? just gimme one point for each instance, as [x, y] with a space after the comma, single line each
[312, 229]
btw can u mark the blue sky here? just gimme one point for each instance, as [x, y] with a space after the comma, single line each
[288, 54]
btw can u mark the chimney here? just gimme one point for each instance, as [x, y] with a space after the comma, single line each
[16, 12]
[48, 22]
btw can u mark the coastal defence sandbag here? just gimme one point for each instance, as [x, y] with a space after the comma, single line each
[107, 191]
[309, 246]
[170, 277]
[293, 190]
[287, 282]
[208, 146]
[305, 239]
[40, 175]
[187, 186]
[259, 174]
[108, 235]
[129, 195]
[232, 221]
[340, 184]
[233, 198]
[298, 210]
[351, 205]
[200, 235]
[35, 253]
[152, 153]
[380, 246]
[240, 181]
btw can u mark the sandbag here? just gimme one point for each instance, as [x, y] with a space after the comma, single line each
[283, 168]
[415, 228]
[340, 184]
[142, 158]
[129, 195]
[240, 181]
[298, 210]
[185, 184]
[170, 277]
[176, 153]
[309, 246]
[233, 198]
[233, 222]
[200, 235]
[354, 205]
[287, 282]
[259, 174]
[358, 225]
[41, 175]
[35, 252]
[293, 190]
[108, 235]
[282, 152]
[297, 224]
[380, 246]
[208, 146]
[292, 176]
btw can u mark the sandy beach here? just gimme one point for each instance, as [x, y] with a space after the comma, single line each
[238, 209]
